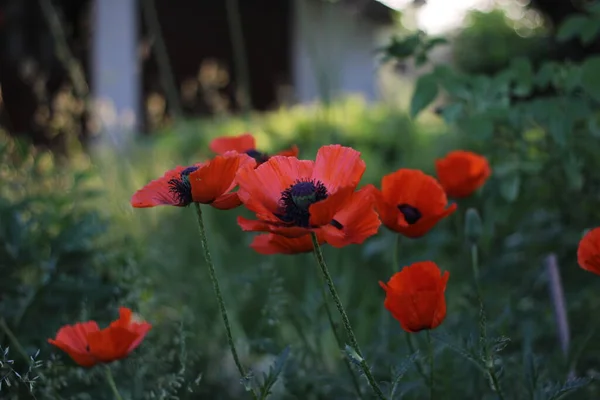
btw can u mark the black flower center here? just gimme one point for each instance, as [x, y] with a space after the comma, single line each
[296, 200]
[258, 156]
[181, 188]
[411, 214]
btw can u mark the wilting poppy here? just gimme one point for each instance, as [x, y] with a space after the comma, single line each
[415, 296]
[588, 252]
[462, 172]
[89, 345]
[210, 182]
[356, 221]
[246, 143]
[292, 197]
[411, 202]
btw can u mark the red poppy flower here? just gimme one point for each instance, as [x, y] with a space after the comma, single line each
[89, 345]
[294, 197]
[356, 221]
[411, 202]
[415, 296]
[462, 172]
[246, 143]
[588, 252]
[210, 182]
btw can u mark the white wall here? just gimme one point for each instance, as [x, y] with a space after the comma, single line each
[333, 52]
[115, 69]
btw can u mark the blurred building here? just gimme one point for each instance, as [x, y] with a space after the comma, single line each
[56, 54]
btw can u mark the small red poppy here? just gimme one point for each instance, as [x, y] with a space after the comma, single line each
[588, 252]
[356, 221]
[89, 345]
[246, 143]
[292, 197]
[462, 172]
[415, 296]
[210, 182]
[411, 202]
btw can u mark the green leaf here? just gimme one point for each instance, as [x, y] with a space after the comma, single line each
[590, 78]
[589, 31]
[425, 93]
[509, 188]
[274, 371]
[479, 126]
[523, 75]
[571, 27]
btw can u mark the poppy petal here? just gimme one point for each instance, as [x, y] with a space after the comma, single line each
[276, 244]
[112, 343]
[216, 177]
[291, 152]
[72, 339]
[240, 144]
[158, 192]
[322, 212]
[462, 172]
[588, 251]
[260, 189]
[338, 166]
[227, 201]
[357, 220]
[262, 226]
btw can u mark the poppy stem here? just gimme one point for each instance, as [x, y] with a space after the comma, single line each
[431, 359]
[363, 363]
[412, 349]
[338, 340]
[488, 356]
[112, 384]
[217, 289]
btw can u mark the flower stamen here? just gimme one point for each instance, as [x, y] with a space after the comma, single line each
[297, 199]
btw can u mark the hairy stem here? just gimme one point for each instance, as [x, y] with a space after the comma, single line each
[338, 340]
[112, 384]
[217, 289]
[363, 363]
[431, 360]
[489, 357]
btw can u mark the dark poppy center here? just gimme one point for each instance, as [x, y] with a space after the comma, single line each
[296, 200]
[258, 156]
[181, 187]
[411, 214]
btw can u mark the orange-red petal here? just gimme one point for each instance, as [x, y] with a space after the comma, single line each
[462, 172]
[338, 166]
[250, 225]
[358, 221]
[588, 251]
[260, 189]
[410, 187]
[415, 296]
[72, 339]
[323, 212]
[291, 152]
[276, 244]
[112, 343]
[240, 144]
[158, 192]
[217, 176]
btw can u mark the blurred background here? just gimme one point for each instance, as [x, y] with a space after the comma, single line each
[99, 97]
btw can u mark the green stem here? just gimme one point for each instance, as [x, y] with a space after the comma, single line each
[337, 338]
[412, 349]
[363, 363]
[431, 359]
[112, 384]
[215, 283]
[14, 340]
[489, 357]
[395, 248]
